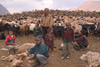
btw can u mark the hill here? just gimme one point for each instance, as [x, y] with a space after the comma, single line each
[89, 6]
[3, 10]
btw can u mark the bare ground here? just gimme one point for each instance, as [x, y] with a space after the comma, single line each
[55, 59]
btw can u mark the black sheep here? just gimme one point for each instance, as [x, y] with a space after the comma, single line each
[2, 36]
[3, 27]
[14, 29]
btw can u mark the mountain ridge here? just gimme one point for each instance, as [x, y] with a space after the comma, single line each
[89, 6]
[3, 10]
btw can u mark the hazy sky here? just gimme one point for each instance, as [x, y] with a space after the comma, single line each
[29, 5]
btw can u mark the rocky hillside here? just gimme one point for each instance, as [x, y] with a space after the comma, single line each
[3, 10]
[89, 6]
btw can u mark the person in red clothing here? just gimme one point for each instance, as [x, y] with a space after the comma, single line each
[68, 38]
[10, 42]
[50, 39]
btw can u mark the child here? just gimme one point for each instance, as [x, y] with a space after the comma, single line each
[36, 31]
[82, 39]
[68, 38]
[50, 39]
[10, 42]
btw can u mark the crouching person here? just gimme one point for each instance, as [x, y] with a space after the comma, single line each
[82, 39]
[40, 51]
[10, 42]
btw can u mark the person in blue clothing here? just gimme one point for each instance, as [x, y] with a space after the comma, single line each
[40, 51]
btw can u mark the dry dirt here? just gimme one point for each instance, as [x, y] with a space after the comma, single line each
[55, 59]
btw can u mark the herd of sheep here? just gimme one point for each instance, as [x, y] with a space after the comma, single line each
[23, 23]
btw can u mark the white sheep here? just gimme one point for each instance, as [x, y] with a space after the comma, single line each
[16, 60]
[31, 27]
[0, 20]
[4, 49]
[25, 47]
[11, 23]
[23, 28]
[16, 63]
[76, 27]
[9, 58]
[93, 58]
[30, 63]
[20, 59]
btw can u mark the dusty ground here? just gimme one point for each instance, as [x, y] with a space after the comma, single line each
[55, 59]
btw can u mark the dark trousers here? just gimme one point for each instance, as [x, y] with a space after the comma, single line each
[44, 32]
[50, 47]
[82, 44]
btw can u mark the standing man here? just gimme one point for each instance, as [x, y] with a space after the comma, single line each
[46, 22]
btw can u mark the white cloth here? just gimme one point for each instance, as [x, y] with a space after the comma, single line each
[12, 36]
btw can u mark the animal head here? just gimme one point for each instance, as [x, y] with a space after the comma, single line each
[73, 27]
[16, 63]
[96, 23]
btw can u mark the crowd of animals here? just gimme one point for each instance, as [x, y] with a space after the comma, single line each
[23, 23]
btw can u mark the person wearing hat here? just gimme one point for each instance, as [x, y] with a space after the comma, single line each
[68, 38]
[82, 39]
[40, 51]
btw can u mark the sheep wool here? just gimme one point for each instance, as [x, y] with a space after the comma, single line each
[93, 58]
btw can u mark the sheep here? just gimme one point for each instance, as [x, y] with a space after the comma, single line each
[16, 63]
[3, 22]
[77, 28]
[26, 18]
[30, 63]
[0, 20]
[98, 19]
[93, 58]
[15, 59]
[9, 58]
[4, 49]
[31, 27]
[23, 22]
[23, 29]
[26, 62]
[20, 59]
[11, 23]
[14, 28]
[3, 27]
[55, 24]
[25, 47]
